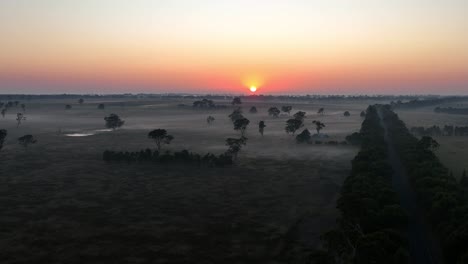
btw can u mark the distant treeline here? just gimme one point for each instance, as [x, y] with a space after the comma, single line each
[437, 131]
[417, 103]
[397, 99]
[451, 110]
[372, 226]
[444, 200]
[183, 156]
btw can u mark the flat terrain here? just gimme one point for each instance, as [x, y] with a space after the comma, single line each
[454, 149]
[61, 203]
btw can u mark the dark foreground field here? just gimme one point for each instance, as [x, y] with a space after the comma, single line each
[60, 203]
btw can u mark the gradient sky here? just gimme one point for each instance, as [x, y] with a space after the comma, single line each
[218, 46]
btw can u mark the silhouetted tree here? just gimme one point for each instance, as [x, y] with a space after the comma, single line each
[101, 106]
[113, 121]
[241, 125]
[23, 107]
[318, 126]
[363, 114]
[160, 136]
[286, 109]
[81, 101]
[19, 118]
[68, 107]
[236, 101]
[303, 137]
[274, 112]
[210, 120]
[253, 110]
[3, 135]
[235, 145]
[292, 125]
[428, 143]
[16, 103]
[321, 111]
[347, 114]
[236, 114]
[4, 110]
[300, 115]
[261, 127]
[26, 140]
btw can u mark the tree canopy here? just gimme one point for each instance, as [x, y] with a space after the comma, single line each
[261, 127]
[160, 137]
[26, 140]
[286, 109]
[113, 121]
[292, 125]
[318, 125]
[3, 135]
[241, 125]
[273, 111]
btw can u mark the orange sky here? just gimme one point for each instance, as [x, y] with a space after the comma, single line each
[334, 46]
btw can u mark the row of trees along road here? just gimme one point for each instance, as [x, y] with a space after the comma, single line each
[444, 199]
[372, 225]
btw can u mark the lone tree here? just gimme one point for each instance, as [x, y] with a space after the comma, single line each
[210, 120]
[347, 114]
[3, 135]
[19, 118]
[27, 140]
[253, 110]
[4, 110]
[113, 121]
[286, 109]
[261, 127]
[363, 114]
[292, 125]
[160, 137]
[318, 126]
[81, 101]
[274, 112]
[235, 145]
[321, 111]
[236, 101]
[236, 114]
[241, 125]
[101, 106]
[68, 107]
[300, 115]
[23, 107]
[304, 136]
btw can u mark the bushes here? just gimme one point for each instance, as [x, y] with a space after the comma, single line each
[183, 156]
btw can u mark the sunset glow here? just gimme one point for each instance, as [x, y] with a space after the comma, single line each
[253, 89]
[222, 46]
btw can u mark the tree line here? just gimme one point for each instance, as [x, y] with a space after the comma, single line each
[372, 225]
[447, 130]
[451, 110]
[443, 198]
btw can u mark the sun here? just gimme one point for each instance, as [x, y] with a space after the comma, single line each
[253, 89]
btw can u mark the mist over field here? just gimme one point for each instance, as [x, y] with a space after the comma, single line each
[89, 189]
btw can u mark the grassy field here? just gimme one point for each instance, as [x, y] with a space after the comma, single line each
[61, 203]
[453, 150]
